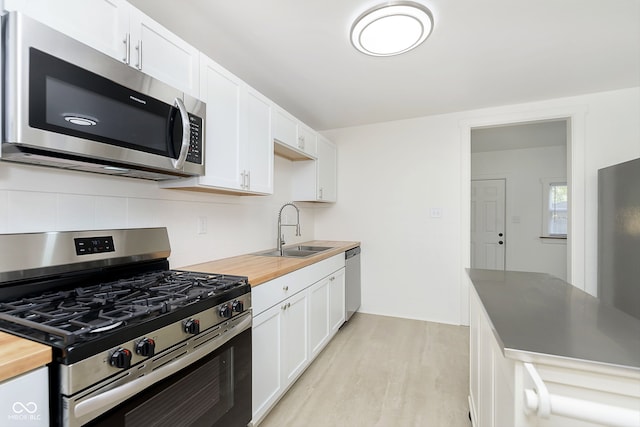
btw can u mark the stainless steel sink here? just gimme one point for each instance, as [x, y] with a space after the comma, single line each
[314, 248]
[295, 251]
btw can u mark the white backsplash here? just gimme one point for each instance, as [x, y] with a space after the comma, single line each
[34, 199]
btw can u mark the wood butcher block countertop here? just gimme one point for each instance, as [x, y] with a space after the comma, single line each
[18, 355]
[261, 269]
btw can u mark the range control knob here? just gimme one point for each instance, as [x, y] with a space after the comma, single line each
[238, 306]
[192, 326]
[146, 347]
[121, 358]
[225, 311]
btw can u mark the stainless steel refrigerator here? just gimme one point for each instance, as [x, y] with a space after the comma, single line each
[619, 236]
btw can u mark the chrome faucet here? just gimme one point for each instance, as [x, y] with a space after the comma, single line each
[281, 241]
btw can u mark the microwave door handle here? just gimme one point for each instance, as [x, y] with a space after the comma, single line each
[186, 135]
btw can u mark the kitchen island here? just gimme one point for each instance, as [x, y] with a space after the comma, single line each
[544, 351]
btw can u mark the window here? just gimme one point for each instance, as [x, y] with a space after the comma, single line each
[555, 211]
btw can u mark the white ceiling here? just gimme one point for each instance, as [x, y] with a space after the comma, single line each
[480, 54]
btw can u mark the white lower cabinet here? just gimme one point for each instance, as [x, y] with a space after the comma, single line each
[24, 400]
[295, 316]
[318, 316]
[336, 301]
[266, 364]
[280, 351]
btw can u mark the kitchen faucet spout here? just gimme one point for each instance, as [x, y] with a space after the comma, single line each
[280, 241]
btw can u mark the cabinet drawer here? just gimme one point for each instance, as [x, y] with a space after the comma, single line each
[274, 291]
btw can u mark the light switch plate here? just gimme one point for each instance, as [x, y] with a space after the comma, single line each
[202, 225]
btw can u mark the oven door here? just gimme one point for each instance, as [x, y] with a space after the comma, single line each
[214, 390]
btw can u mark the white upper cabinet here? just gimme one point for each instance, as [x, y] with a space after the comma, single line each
[156, 51]
[327, 170]
[239, 146]
[259, 144]
[222, 92]
[285, 128]
[296, 141]
[307, 140]
[121, 31]
[315, 180]
[101, 24]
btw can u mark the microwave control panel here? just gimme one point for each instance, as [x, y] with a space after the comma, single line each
[195, 145]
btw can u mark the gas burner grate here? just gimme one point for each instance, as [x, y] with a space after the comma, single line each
[106, 306]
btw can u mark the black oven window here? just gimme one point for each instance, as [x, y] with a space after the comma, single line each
[201, 397]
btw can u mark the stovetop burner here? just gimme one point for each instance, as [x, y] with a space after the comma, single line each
[89, 310]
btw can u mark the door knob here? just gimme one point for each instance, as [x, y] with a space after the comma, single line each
[500, 234]
[500, 242]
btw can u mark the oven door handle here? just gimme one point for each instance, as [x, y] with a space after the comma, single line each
[100, 403]
[186, 135]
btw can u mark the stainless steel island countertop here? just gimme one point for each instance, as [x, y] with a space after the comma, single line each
[537, 315]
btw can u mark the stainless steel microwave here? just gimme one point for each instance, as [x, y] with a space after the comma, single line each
[67, 105]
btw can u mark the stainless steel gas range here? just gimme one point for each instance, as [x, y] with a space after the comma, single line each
[134, 343]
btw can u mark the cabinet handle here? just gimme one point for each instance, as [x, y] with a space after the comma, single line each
[320, 193]
[285, 288]
[139, 49]
[332, 278]
[243, 176]
[248, 180]
[288, 304]
[285, 306]
[127, 43]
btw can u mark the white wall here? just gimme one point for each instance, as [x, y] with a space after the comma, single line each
[35, 198]
[523, 170]
[391, 174]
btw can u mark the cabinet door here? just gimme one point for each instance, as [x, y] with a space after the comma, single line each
[326, 169]
[307, 140]
[266, 360]
[285, 128]
[318, 316]
[162, 54]
[222, 93]
[295, 348]
[26, 397]
[101, 24]
[336, 301]
[259, 149]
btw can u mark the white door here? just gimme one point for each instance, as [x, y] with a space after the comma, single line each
[488, 224]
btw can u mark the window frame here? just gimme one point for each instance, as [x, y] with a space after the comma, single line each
[547, 185]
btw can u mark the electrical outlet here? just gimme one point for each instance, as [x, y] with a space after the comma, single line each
[202, 225]
[436, 212]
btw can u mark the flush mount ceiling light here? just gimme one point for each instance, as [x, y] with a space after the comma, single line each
[391, 28]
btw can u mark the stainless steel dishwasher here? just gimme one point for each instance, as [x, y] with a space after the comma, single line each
[352, 282]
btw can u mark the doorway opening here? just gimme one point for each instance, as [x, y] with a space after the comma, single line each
[519, 198]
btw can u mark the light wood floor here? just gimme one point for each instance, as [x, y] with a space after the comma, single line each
[385, 372]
